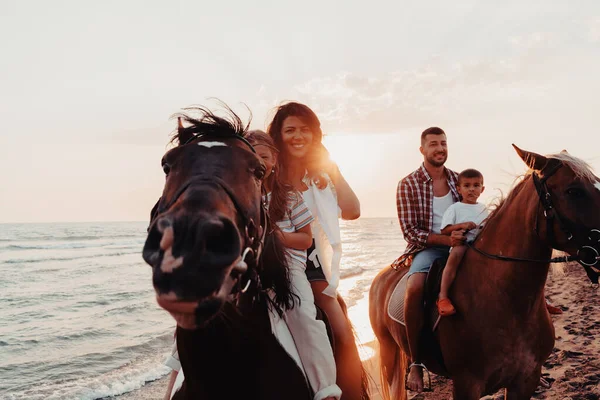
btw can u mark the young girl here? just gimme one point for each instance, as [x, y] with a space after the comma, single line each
[293, 217]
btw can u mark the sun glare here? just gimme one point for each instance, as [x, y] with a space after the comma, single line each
[357, 156]
[371, 167]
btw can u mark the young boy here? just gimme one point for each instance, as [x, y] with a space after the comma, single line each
[467, 215]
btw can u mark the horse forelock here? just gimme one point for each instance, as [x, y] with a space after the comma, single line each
[580, 168]
[202, 121]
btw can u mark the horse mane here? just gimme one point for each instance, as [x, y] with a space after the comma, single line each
[208, 123]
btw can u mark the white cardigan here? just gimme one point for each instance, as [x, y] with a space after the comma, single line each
[326, 230]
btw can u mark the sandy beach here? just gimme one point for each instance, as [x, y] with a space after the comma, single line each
[572, 370]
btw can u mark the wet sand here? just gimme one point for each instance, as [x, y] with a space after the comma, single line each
[572, 370]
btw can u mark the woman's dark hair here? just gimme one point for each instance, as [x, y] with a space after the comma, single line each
[317, 154]
[280, 190]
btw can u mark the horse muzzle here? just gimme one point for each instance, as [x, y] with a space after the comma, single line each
[196, 265]
[195, 313]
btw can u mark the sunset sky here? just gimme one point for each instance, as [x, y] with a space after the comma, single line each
[87, 89]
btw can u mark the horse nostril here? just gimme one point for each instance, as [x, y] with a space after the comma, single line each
[151, 251]
[219, 240]
[164, 223]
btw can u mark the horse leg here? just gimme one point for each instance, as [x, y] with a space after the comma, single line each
[413, 315]
[347, 360]
[466, 388]
[364, 376]
[392, 366]
[525, 387]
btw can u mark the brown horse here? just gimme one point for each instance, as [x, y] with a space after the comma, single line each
[218, 266]
[213, 258]
[502, 333]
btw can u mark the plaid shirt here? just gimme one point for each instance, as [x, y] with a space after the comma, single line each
[414, 201]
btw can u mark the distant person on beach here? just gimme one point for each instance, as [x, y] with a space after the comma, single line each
[293, 218]
[422, 199]
[466, 216]
[306, 166]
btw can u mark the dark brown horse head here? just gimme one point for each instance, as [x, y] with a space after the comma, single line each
[569, 195]
[208, 227]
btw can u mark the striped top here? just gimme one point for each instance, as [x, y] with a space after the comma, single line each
[296, 217]
[414, 201]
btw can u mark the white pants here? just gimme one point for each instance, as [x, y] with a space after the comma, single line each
[310, 337]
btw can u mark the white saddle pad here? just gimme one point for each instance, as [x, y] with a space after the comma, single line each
[396, 304]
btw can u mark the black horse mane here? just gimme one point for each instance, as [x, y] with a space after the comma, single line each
[208, 123]
[273, 266]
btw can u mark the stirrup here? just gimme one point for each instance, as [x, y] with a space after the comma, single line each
[425, 388]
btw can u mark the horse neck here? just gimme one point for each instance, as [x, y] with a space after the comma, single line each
[512, 233]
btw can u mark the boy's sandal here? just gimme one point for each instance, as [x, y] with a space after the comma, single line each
[425, 370]
[445, 307]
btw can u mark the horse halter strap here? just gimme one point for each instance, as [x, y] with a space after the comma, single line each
[588, 253]
[250, 229]
[546, 202]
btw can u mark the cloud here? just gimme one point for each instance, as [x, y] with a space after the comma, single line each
[443, 91]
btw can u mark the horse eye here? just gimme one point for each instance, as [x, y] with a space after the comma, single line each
[166, 168]
[260, 172]
[575, 192]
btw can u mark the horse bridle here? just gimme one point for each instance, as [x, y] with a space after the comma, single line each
[588, 249]
[253, 236]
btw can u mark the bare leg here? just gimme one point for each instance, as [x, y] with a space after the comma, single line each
[349, 366]
[456, 256]
[172, 378]
[413, 316]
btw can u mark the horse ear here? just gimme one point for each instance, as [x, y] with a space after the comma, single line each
[533, 160]
[564, 151]
[183, 134]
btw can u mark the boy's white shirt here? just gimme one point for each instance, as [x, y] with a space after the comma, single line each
[326, 231]
[460, 212]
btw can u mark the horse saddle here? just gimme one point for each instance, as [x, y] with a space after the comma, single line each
[432, 289]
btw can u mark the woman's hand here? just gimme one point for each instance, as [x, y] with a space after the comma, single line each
[325, 163]
[347, 200]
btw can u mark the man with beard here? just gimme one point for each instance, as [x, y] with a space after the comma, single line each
[422, 198]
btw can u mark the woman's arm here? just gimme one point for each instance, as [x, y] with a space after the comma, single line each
[347, 200]
[299, 240]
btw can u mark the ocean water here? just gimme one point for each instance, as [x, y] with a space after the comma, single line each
[78, 319]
